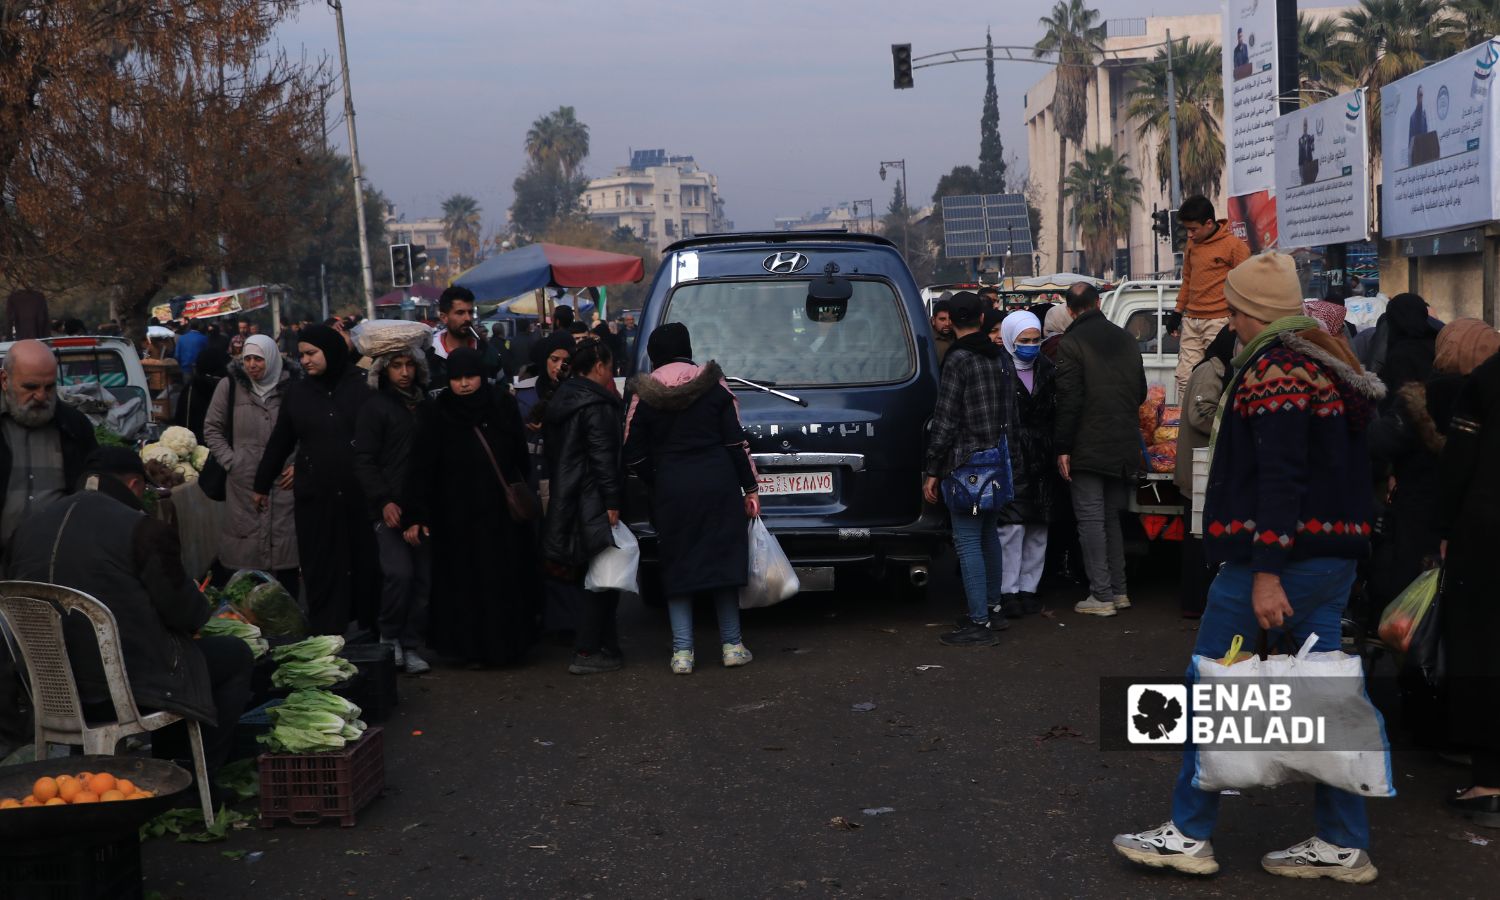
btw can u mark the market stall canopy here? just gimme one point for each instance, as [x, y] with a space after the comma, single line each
[1058, 282]
[548, 265]
[423, 294]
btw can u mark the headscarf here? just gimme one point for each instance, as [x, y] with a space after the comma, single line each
[669, 343]
[543, 349]
[989, 321]
[1463, 344]
[1407, 315]
[1011, 329]
[335, 350]
[262, 346]
[1057, 320]
[470, 408]
[1330, 315]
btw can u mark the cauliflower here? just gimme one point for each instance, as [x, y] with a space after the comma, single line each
[180, 441]
[186, 470]
[158, 453]
[200, 458]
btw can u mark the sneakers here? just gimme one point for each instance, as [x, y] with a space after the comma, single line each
[1011, 606]
[1031, 604]
[735, 655]
[594, 663]
[1095, 607]
[415, 665]
[1166, 847]
[1122, 602]
[972, 634]
[395, 650]
[1316, 858]
[997, 621]
[682, 662]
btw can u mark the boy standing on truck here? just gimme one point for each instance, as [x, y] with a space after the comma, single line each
[1211, 252]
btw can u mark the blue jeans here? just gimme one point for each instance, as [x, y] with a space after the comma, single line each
[977, 543]
[1318, 590]
[726, 603]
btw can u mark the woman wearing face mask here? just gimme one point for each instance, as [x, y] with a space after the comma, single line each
[1031, 395]
[458, 498]
[334, 540]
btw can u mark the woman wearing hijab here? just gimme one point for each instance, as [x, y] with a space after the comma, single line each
[244, 410]
[1030, 398]
[1200, 402]
[1053, 326]
[583, 454]
[193, 403]
[334, 541]
[458, 502]
[1410, 344]
[683, 437]
[989, 325]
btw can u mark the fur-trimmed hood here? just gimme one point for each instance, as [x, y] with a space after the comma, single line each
[676, 386]
[379, 363]
[1336, 355]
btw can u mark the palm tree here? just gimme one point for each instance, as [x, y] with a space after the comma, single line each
[1388, 40]
[461, 227]
[558, 137]
[1103, 192]
[1475, 21]
[1200, 107]
[1323, 58]
[1073, 37]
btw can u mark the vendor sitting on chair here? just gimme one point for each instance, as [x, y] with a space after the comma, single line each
[100, 541]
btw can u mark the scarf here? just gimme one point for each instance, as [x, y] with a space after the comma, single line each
[335, 352]
[1330, 316]
[1463, 344]
[469, 408]
[1267, 335]
[262, 346]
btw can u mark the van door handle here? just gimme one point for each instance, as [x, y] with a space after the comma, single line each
[855, 462]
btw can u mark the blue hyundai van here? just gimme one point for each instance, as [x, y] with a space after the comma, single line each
[824, 339]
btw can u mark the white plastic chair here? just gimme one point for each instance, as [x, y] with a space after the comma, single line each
[31, 611]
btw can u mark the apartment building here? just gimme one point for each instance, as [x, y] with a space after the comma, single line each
[662, 198]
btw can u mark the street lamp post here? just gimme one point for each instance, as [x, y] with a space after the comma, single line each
[359, 191]
[905, 204]
[870, 205]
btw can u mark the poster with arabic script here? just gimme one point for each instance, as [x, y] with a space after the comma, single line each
[1323, 173]
[1438, 142]
[1250, 106]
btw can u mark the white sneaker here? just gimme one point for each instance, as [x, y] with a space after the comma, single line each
[1316, 858]
[1093, 607]
[1122, 602]
[736, 655]
[1166, 847]
[416, 665]
[395, 650]
[682, 662]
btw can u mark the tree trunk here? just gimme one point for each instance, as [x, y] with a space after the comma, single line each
[1062, 173]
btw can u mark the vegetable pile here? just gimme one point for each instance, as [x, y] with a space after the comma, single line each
[312, 719]
[223, 626]
[175, 459]
[258, 598]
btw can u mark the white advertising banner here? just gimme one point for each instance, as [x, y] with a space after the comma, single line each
[1250, 106]
[1323, 173]
[1438, 143]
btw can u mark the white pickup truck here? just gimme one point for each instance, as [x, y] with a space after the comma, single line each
[1141, 307]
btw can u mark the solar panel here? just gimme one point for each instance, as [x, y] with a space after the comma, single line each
[977, 225]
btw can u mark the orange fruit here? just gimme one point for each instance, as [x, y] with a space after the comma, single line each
[136, 796]
[9, 803]
[85, 776]
[86, 797]
[145, 795]
[68, 788]
[44, 789]
[111, 796]
[31, 801]
[101, 783]
[56, 801]
[125, 786]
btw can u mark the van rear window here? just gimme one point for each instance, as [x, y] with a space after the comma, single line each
[759, 330]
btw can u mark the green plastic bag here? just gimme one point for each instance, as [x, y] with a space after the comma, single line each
[1400, 620]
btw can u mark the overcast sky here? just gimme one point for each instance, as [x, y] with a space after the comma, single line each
[789, 103]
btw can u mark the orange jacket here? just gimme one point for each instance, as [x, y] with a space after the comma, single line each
[1205, 265]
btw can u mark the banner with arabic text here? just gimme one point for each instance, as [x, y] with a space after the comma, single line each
[1323, 173]
[224, 303]
[1250, 87]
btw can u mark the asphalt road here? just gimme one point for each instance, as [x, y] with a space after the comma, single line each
[530, 782]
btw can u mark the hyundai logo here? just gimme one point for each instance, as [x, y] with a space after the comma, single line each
[784, 263]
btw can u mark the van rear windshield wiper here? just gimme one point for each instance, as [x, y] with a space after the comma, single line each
[761, 386]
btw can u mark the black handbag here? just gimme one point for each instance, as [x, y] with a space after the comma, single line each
[214, 479]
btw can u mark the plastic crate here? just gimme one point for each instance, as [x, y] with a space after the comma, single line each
[108, 870]
[312, 788]
[251, 725]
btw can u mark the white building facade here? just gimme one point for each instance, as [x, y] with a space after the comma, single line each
[661, 198]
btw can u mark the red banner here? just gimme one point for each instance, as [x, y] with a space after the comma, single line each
[224, 303]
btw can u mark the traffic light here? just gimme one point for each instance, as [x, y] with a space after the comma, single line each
[418, 262]
[1179, 234]
[901, 58]
[1161, 222]
[401, 265]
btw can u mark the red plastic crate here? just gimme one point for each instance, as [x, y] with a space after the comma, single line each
[311, 788]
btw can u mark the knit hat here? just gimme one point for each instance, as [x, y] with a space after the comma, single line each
[1265, 287]
[668, 343]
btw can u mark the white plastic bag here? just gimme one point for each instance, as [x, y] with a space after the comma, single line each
[615, 567]
[772, 578]
[1327, 685]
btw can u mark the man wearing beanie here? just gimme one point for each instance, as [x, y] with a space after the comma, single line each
[1287, 518]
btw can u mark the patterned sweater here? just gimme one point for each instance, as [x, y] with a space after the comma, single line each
[1290, 477]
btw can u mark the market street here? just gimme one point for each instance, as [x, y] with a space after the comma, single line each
[530, 782]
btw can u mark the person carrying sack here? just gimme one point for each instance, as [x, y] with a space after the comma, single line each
[1287, 518]
[968, 428]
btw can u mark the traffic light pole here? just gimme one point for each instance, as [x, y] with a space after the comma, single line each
[359, 190]
[1172, 126]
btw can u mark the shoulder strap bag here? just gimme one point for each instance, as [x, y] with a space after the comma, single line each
[982, 483]
[521, 500]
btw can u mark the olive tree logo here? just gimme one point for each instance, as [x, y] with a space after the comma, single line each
[1157, 713]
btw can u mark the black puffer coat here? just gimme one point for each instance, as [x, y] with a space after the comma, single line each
[1101, 384]
[318, 419]
[1029, 418]
[385, 440]
[581, 431]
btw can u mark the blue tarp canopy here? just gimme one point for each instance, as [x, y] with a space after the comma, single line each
[548, 265]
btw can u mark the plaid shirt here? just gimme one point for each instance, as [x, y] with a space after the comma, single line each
[970, 411]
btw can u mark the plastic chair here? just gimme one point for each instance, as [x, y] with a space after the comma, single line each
[31, 611]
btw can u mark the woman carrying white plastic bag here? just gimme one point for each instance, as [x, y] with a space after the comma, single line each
[772, 578]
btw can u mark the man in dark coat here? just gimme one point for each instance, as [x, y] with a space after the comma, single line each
[456, 313]
[1101, 384]
[101, 542]
[334, 540]
[385, 437]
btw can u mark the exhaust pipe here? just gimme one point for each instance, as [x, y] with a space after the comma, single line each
[918, 575]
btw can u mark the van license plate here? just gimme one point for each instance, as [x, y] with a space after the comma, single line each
[781, 484]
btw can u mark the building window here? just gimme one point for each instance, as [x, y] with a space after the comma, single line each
[591, 206]
[687, 228]
[669, 226]
[639, 199]
[666, 199]
[646, 229]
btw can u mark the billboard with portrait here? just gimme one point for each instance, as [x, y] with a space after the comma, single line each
[1323, 173]
[1250, 88]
